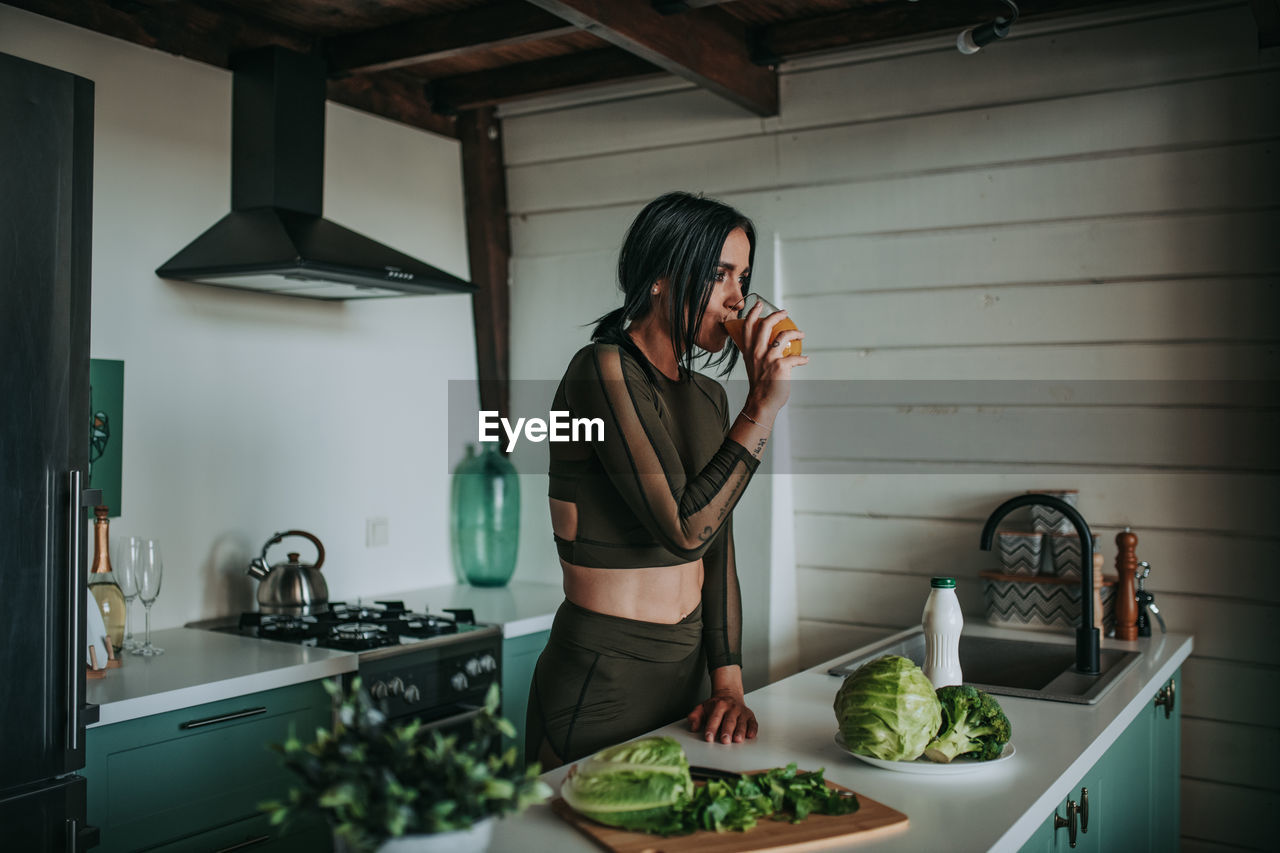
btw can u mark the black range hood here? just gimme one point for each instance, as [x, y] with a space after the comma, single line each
[274, 239]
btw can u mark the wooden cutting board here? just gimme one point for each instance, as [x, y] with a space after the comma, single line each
[817, 832]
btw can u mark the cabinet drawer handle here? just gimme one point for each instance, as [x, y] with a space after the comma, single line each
[1165, 697]
[1069, 821]
[248, 842]
[223, 718]
[1084, 809]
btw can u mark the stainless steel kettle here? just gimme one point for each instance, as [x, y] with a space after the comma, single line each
[291, 588]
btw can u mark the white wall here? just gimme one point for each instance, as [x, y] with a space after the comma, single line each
[246, 414]
[1092, 199]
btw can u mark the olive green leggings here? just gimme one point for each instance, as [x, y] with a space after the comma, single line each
[603, 679]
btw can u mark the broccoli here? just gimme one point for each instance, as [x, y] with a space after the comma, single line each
[973, 724]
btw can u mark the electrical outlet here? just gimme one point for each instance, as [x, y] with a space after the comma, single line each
[377, 532]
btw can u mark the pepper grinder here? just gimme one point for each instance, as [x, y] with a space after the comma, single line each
[1146, 601]
[1126, 595]
[1098, 561]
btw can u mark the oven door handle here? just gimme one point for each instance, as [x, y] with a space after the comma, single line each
[455, 719]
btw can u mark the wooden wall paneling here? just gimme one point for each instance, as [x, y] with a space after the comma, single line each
[710, 50]
[716, 167]
[1026, 68]
[556, 298]
[1229, 691]
[1228, 814]
[1164, 361]
[489, 251]
[878, 598]
[664, 120]
[1157, 311]
[1091, 438]
[1182, 563]
[968, 189]
[1159, 501]
[1235, 754]
[822, 641]
[1174, 245]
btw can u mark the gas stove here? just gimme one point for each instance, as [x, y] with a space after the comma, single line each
[433, 667]
[358, 627]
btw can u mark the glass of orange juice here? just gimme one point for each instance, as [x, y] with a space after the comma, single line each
[736, 327]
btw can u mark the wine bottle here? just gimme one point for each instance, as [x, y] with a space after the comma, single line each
[102, 581]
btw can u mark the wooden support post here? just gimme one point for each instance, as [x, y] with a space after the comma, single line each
[489, 250]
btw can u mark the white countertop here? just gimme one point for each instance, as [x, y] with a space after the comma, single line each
[996, 808]
[205, 666]
[201, 666]
[520, 607]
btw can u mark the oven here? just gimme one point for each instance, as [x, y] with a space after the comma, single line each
[441, 682]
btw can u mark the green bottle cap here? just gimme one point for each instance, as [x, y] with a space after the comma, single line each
[942, 583]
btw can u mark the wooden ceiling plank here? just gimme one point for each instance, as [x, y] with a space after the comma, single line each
[442, 36]
[710, 51]
[541, 77]
[869, 24]
[392, 97]
[203, 33]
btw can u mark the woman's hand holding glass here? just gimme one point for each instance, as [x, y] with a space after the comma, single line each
[768, 358]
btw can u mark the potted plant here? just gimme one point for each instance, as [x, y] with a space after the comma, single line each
[398, 787]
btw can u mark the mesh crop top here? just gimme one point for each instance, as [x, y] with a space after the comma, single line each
[660, 489]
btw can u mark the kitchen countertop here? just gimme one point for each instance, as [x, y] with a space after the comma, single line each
[205, 666]
[201, 666]
[997, 808]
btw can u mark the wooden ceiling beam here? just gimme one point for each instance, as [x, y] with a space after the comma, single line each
[442, 36]
[709, 49]
[392, 96]
[540, 77]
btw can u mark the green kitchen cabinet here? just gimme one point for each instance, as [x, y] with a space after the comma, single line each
[519, 656]
[1131, 791]
[192, 779]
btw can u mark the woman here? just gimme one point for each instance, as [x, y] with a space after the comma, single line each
[643, 518]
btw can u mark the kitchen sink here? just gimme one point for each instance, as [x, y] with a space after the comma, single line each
[1025, 668]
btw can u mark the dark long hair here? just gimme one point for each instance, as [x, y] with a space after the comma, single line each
[677, 237]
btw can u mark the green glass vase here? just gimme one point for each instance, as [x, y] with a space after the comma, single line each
[486, 518]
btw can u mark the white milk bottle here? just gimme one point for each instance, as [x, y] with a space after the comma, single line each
[942, 622]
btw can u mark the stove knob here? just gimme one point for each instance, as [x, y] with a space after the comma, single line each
[459, 681]
[488, 664]
[395, 686]
[378, 690]
[412, 693]
[473, 667]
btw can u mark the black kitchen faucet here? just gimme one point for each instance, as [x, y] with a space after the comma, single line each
[1086, 633]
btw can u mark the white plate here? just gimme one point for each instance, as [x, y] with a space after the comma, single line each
[925, 767]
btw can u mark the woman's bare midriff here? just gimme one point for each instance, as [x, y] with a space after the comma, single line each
[664, 594]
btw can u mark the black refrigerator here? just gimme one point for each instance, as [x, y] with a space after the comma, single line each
[46, 200]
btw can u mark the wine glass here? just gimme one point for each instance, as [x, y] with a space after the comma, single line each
[149, 570]
[124, 564]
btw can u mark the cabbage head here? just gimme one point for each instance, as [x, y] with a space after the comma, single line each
[640, 785]
[887, 709]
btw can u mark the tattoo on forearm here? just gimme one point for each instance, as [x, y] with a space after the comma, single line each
[705, 534]
[737, 487]
[759, 448]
